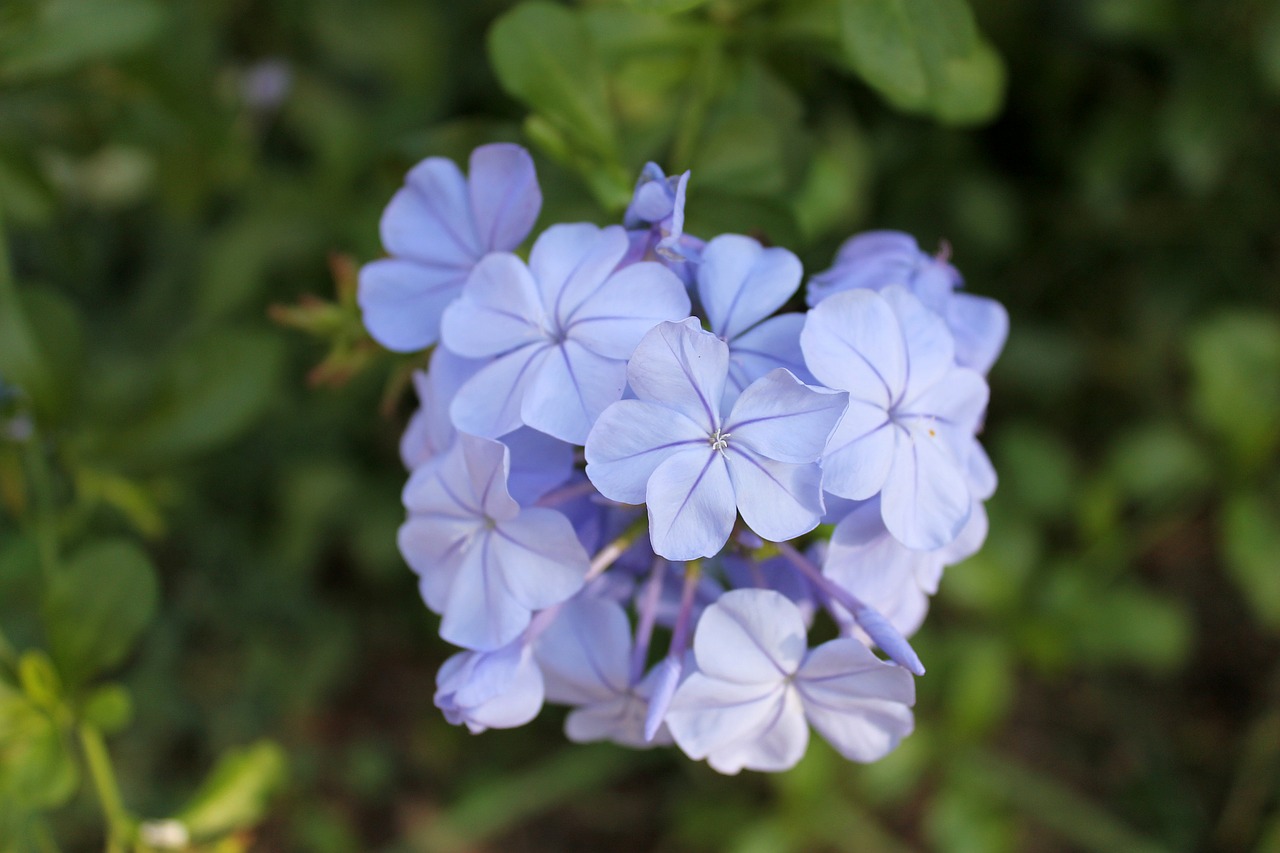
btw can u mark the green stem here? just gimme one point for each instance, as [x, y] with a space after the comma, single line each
[119, 825]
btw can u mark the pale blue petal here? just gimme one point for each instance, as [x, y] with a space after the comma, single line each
[965, 546]
[571, 261]
[402, 301]
[539, 463]
[778, 500]
[484, 690]
[776, 746]
[431, 432]
[487, 463]
[953, 405]
[539, 558]
[488, 403]
[691, 505]
[873, 259]
[860, 704]
[652, 200]
[612, 320]
[772, 344]
[780, 417]
[666, 678]
[570, 390]
[859, 453]
[586, 652]
[979, 471]
[853, 342]
[929, 346]
[865, 559]
[505, 198]
[682, 367]
[498, 311]
[741, 283]
[481, 613]
[434, 548]
[429, 219]
[630, 440]
[708, 714]
[925, 501]
[980, 326]
[750, 636]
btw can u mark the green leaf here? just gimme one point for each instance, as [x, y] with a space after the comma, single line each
[39, 681]
[211, 392]
[97, 606]
[543, 54]
[1251, 545]
[924, 56]
[237, 792]
[1235, 363]
[109, 708]
[666, 7]
[68, 33]
[37, 768]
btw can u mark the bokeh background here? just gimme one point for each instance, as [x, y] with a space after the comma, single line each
[200, 593]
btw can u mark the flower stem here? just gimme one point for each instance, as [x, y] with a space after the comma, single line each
[648, 616]
[119, 825]
[610, 553]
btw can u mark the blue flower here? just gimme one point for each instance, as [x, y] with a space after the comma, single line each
[482, 561]
[539, 463]
[655, 218]
[557, 332]
[696, 469]
[757, 687]
[587, 660]
[866, 560]
[490, 690]
[912, 416]
[436, 228]
[740, 284]
[878, 259]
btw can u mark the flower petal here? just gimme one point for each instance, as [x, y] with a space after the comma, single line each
[571, 261]
[683, 368]
[778, 745]
[481, 613]
[852, 342]
[707, 714]
[778, 500]
[750, 636]
[539, 463]
[539, 557]
[612, 320]
[429, 219]
[505, 198]
[586, 652]
[929, 346]
[859, 453]
[980, 326]
[741, 283]
[498, 311]
[925, 501]
[780, 417]
[570, 390]
[691, 505]
[859, 703]
[402, 302]
[629, 441]
[488, 403]
[772, 344]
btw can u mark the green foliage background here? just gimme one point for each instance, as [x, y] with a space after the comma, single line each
[203, 612]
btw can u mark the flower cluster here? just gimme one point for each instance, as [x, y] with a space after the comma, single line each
[638, 480]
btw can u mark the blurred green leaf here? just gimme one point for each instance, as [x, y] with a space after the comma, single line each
[836, 189]
[97, 606]
[1037, 468]
[924, 56]
[40, 682]
[1159, 465]
[109, 708]
[543, 55]
[67, 33]
[666, 7]
[1235, 363]
[237, 791]
[211, 391]
[1251, 545]
[37, 769]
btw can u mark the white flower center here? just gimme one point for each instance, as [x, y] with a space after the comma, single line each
[718, 440]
